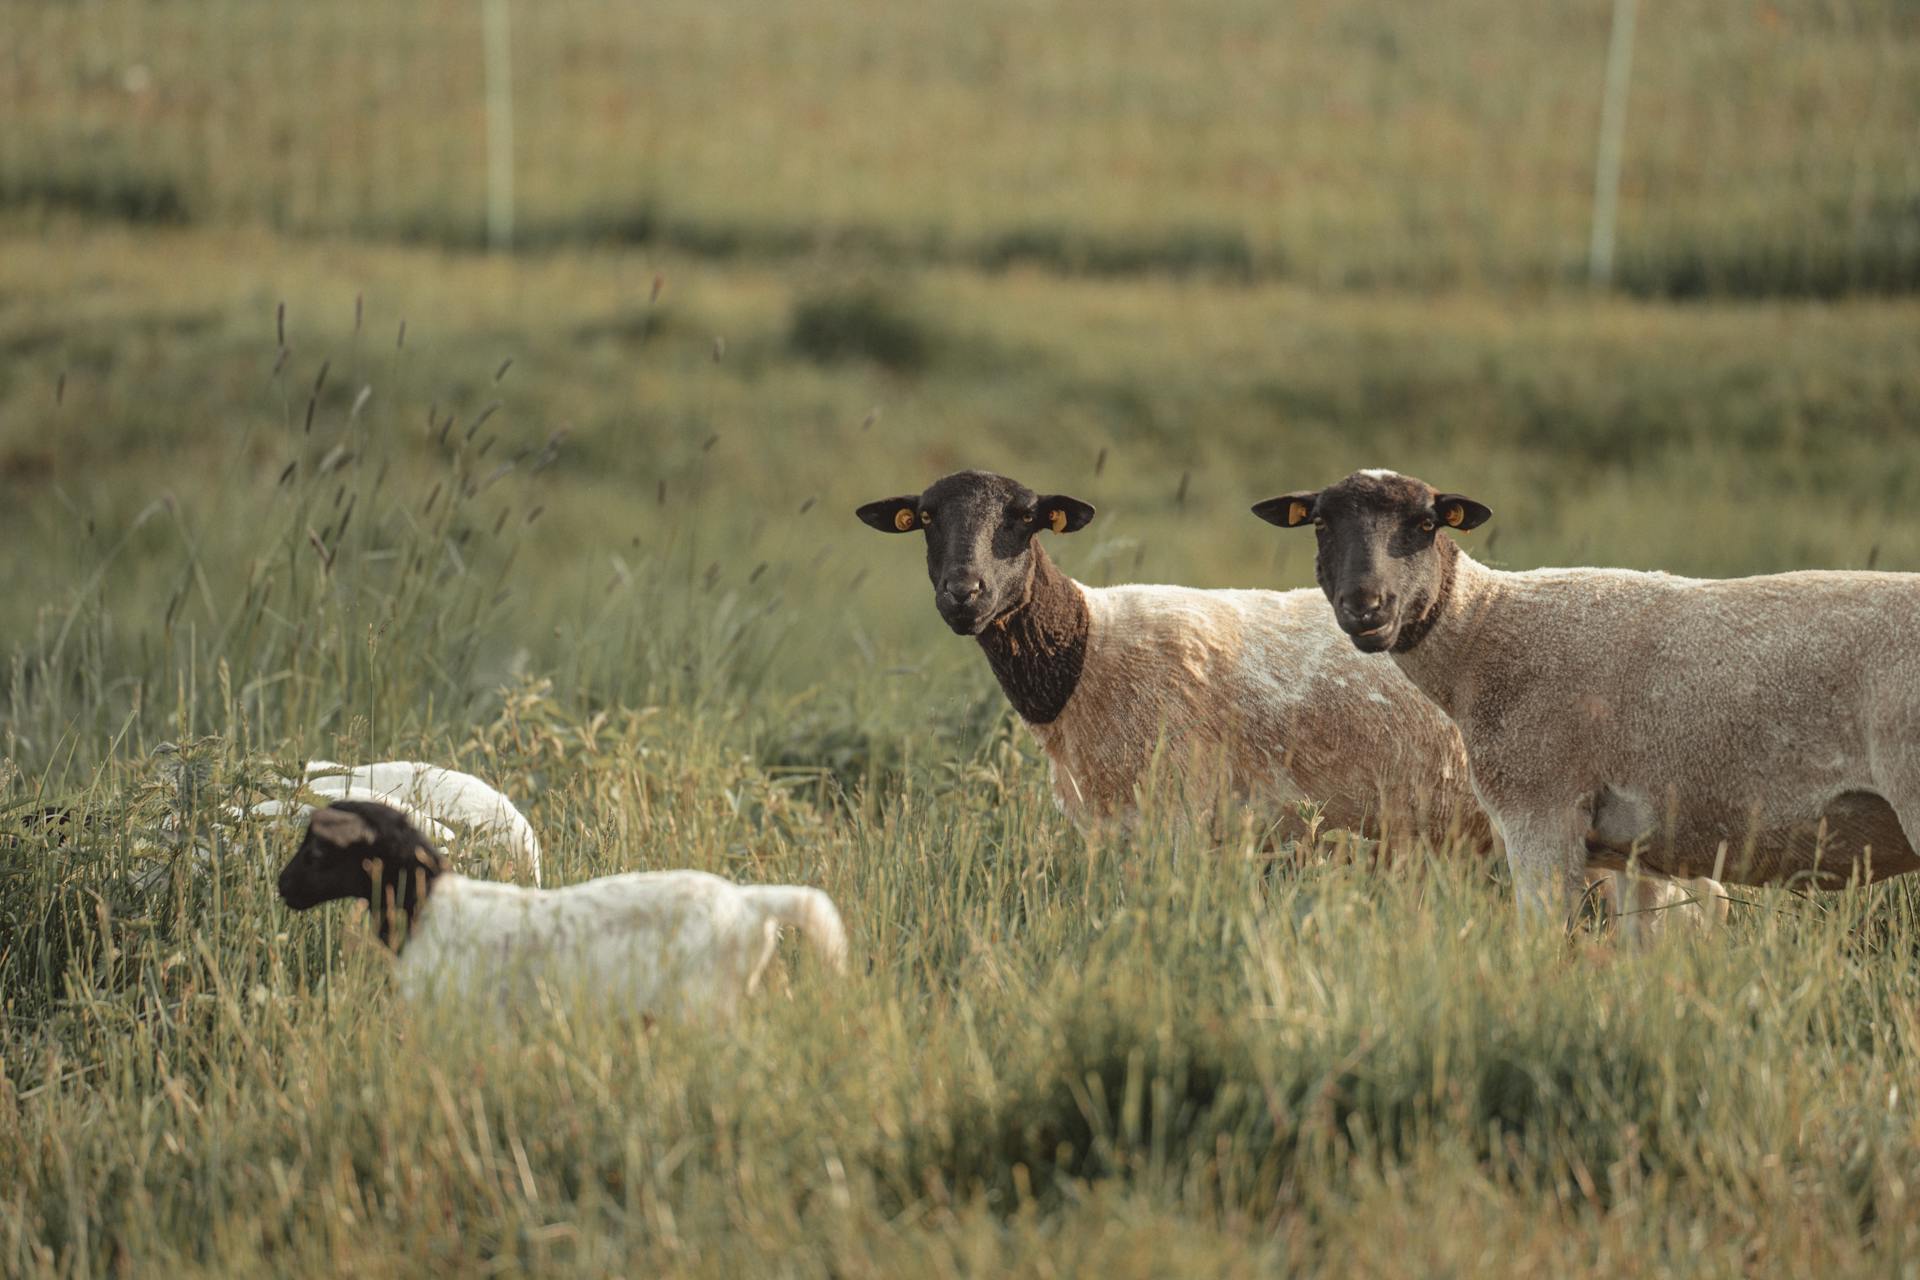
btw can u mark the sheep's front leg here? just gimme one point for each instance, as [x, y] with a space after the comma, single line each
[1547, 854]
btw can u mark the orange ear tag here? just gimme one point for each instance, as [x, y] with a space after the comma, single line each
[1456, 514]
[903, 519]
[1296, 513]
[1058, 520]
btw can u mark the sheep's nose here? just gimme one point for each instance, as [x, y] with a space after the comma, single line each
[963, 588]
[1363, 607]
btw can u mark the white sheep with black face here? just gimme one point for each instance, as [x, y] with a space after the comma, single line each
[657, 943]
[1256, 693]
[1752, 729]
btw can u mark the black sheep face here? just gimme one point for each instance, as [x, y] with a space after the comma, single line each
[1381, 562]
[366, 850]
[981, 530]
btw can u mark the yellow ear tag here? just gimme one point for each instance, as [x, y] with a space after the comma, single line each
[1296, 513]
[903, 519]
[1058, 520]
[1456, 515]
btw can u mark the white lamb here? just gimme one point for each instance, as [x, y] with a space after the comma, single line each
[661, 943]
[435, 798]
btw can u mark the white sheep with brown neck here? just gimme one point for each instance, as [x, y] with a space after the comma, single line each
[655, 943]
[1753, 729]
[1253, 692]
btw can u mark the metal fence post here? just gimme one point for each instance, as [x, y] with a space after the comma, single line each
[498, 38]
[1613, 137]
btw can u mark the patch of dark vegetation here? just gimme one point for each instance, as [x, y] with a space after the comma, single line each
[121, 194]
[862, 322]
[62, 904]
[1221, 252]
[872, 760]
[857, 759]
[1569, 1107]
[1885, 259]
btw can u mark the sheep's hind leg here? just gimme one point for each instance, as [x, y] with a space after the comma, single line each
[1906, 806]
[1893, 745]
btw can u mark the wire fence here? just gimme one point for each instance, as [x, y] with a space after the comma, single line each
[1763, 147]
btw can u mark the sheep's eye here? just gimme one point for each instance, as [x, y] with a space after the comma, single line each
[926, 517]
[1427, 525]
[1318, 523]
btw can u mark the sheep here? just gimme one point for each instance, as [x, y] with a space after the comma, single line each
[434, 799]
[659, 943]
[431, 796]
[1258, 682]
[1253, 691]
[1750, 729]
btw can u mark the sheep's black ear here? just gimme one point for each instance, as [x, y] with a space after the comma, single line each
[1289, 510]
[340, 828]
[1058, 512]
[893, 515]
[1457, 511]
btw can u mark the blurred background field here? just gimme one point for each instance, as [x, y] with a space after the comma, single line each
[1379, 143]
[293, 464]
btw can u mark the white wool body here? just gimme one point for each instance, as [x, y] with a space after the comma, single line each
[1256, 694]
[1260, 694]
[443, 797]
[1767, 728]
[661, 943]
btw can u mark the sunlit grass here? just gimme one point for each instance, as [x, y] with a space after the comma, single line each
[662, 632]
[1037, 1033]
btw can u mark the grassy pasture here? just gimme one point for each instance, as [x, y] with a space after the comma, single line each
[289, 469]
[661, 627]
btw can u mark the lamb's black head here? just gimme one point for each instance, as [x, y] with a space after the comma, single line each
[1381, 561]
[980, 531]
[363, 849]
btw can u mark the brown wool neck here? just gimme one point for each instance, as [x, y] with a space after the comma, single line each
[1038, 648]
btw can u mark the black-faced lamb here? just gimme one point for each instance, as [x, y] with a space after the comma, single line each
[658, 943]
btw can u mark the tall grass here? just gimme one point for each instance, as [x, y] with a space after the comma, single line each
[1045, 1041]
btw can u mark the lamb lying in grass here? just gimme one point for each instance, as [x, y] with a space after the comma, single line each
[448, 806]
[660, 943]
[433, 798]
